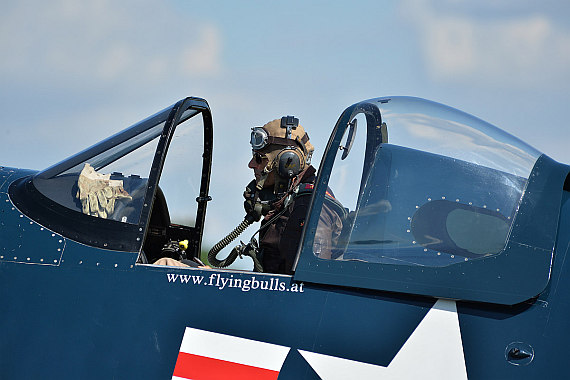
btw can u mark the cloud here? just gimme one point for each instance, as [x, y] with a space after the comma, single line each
[105, 41]
[459, 44]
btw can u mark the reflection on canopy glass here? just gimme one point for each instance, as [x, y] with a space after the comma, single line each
[442, 188]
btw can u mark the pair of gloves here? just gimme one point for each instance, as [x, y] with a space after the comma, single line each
[98, 192]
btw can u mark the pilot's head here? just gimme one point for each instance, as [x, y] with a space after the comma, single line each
[281, 150]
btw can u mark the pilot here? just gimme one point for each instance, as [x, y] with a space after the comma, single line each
[280, 193]
[284, 180]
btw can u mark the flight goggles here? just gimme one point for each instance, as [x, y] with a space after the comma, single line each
[260, 139]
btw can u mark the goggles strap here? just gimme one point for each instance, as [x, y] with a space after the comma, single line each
[273, 140]
[284, 141]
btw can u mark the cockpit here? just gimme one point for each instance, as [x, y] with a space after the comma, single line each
[436, 202]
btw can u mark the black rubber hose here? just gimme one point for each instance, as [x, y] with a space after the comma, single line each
[224, 242]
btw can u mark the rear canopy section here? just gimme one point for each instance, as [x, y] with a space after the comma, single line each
[441, 204]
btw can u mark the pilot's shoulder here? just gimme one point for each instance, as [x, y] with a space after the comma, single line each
[330, 201]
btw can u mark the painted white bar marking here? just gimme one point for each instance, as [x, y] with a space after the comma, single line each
[433, 351]
[233, 349]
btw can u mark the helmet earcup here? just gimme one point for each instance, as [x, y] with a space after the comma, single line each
[290, 163]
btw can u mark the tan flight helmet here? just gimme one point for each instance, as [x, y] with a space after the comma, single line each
[285, 144]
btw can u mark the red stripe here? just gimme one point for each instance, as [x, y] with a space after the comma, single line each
[310, 186]
[197, 367]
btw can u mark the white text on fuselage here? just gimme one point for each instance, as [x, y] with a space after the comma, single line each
[245, 285]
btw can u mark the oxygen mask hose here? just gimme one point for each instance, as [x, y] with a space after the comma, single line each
[254, 208]
[224, 242]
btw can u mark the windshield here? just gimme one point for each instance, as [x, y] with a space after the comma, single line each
[109, 179]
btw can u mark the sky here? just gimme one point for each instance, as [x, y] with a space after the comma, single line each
[74, 72]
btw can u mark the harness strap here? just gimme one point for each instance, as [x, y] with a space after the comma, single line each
[296, 180]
